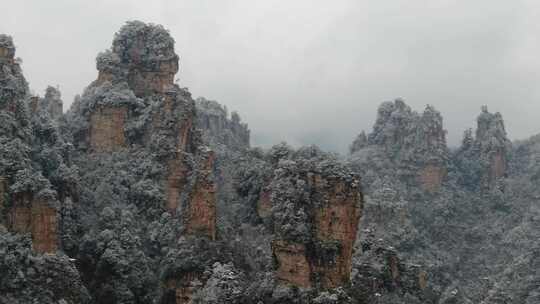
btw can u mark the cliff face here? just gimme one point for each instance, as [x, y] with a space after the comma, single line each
[201, 212]
[337, 221]
[324, 210]
[107, 129]
[37, 217]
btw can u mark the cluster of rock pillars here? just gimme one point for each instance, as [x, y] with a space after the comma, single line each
[190, 187]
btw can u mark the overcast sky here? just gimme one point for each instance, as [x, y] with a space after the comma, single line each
[309, 71]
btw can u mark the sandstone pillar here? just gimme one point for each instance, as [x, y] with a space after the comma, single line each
[326, 260]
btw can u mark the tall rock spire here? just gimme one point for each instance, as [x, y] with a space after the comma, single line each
[143, 54]
[414, 143]
[488, 150]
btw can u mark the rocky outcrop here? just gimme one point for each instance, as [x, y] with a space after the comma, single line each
[431, 145]
[148, 68]
[414, 143]
[484, 158]
[394, 125]
[218, 129]
[324, 210]
[493, 144]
